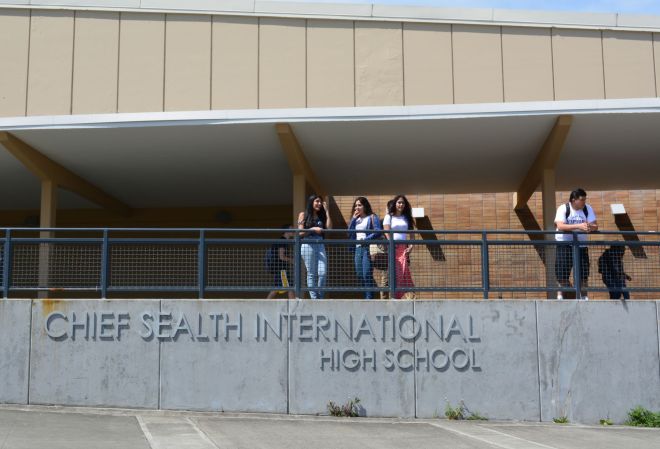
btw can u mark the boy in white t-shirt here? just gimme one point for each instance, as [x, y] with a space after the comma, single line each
[576, 215]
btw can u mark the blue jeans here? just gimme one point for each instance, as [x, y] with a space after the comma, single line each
[363, 270]
[313, 254]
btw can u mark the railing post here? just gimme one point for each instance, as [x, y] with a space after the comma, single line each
[201, 264]
[6, 266]
[104, 265]
[485, 273]
[391, 267]
[577, 281]
[296, 265]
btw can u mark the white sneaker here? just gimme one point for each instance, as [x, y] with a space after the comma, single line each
[560, 297]
[585, 298]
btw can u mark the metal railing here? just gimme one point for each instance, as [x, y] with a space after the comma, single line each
[470, 264]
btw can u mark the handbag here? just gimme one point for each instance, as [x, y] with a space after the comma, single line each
[378, 251]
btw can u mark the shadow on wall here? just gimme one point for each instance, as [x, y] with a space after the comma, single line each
[424, 224]
[623, 222]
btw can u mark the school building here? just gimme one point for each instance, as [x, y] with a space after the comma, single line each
[171, 113]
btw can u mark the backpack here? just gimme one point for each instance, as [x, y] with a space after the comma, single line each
[272, 259]
[584, 210]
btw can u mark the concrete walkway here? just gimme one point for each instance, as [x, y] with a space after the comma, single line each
[31, 427]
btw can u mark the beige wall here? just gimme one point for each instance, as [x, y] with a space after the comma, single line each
[141, 62]
[95, 62]
[282, 63]
[330, 55]
[578, 62]
[477, 64]
[187, 63]
[235, 63]
[50, 63]
[378, 64]
[63, 62]
[428, 67]
[656, 52]
[629, 66]
[527, 64]
[14, 42]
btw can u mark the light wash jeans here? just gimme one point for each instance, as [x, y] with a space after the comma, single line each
[313, 254]
[364, 270]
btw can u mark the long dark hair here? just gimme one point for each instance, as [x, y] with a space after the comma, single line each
[407, 209]
[365, 202]
[308, 221]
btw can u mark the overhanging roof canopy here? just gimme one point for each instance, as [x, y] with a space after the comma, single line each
[228, 158]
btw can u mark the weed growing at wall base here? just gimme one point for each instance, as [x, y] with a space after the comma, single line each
[461, 412]
[641, 417]
[350, 409]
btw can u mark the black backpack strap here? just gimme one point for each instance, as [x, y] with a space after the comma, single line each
[584, 210]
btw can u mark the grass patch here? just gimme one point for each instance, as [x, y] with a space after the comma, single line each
[641, 417]
[476, 417]
[560, 420]
[461, 412]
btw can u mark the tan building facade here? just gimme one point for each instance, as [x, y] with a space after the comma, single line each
[68, 61]
[150, 57]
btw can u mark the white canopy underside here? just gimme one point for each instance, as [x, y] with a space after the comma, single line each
[210, 158]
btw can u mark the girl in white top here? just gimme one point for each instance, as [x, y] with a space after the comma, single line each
[399, 218]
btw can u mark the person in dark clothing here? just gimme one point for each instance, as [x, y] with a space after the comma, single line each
[278, 262]
[610, 266]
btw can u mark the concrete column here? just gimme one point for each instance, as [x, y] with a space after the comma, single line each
[548, 190]
[48, 204]
[47, 219]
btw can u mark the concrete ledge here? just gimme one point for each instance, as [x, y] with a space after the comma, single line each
[555, 17]
[638, 21]
[200, 5]
[364, 11]
[492, 359]
[520, 360]
[231, 362]
[83, 354]
[14, 350]
[597, 359]
[313, 9]
[85, 3]
[422, 12]
[330, 366]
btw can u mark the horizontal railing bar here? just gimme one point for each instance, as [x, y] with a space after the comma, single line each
[331, 231]
[36, 240]
[55, 289]
[158, 288]
[164, 241]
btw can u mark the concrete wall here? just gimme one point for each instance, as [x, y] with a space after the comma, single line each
[587, 365]
[89, 358]
[76, 62]
[344, 374]
[521, 360]
[14, 351]
[209, 370]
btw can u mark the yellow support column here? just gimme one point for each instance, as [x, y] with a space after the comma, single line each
[302, 172]
[47, 219]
